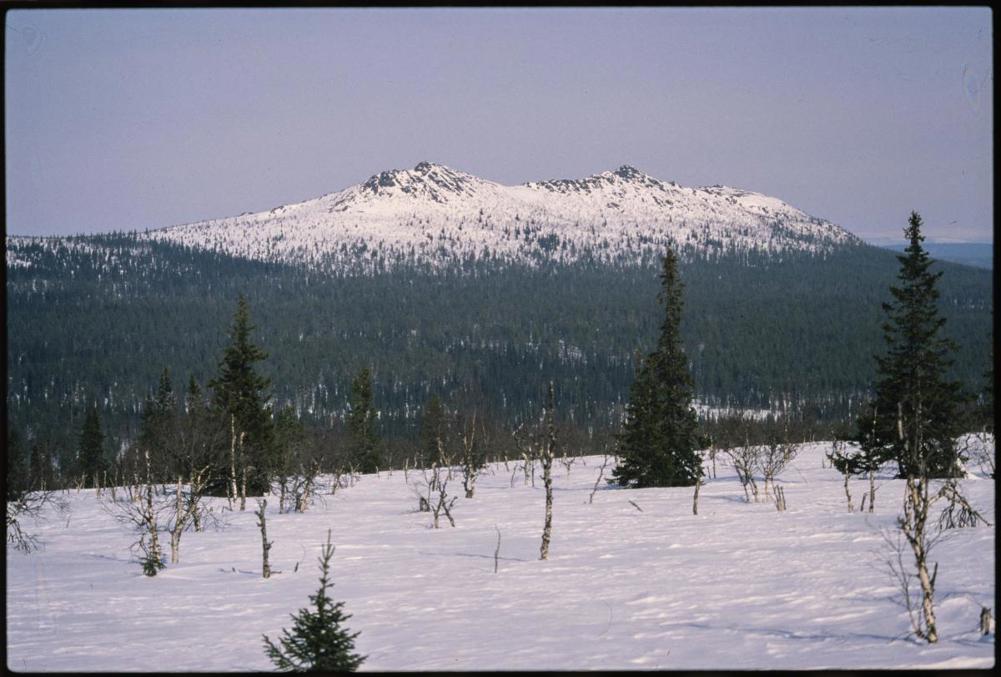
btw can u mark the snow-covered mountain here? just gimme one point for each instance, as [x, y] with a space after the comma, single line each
[434, 214]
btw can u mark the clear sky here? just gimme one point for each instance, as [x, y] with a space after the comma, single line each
[129, 119]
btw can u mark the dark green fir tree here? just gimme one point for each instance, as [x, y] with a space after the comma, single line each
[195, 409]
[987, 394]
[40, 466]
[18, 466]
[90, 451]
[659, 444]
[914, 418]
[202, 441]
[156, 430]
[364, 444]
[318, 640]
[432, 435]
[240, 397]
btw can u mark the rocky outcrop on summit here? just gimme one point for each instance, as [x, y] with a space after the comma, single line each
[425, 181]
[435, 215]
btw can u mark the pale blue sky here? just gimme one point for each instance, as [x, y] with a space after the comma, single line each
[122, 119]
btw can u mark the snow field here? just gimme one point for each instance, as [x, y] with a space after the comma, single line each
[738, 586]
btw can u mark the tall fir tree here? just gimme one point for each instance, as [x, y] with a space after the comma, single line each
[157, 427]
[194, 401]
[40, 466]
[364, 443]
[318, 641]
[659, 443]
[914, 418]
[240, 395]
[18, 464]
[204, 426]
[987, 394]
[90, 452]
[432, 435]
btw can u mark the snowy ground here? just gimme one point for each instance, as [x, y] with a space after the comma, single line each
[738, 586]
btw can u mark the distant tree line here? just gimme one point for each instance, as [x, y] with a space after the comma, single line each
[795, 336]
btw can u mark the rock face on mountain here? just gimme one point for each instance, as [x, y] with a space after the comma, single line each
[435, 215]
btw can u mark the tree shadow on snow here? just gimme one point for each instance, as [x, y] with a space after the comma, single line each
[470, 554]
[792, 634]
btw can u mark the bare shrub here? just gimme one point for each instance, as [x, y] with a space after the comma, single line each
[29, 505]
[914, 530]
[772, 458]
[138, 510]
[780, 498]
[958, 513]
[979, 449]
[744, 460]
[432, 493]
[843, 463]
[472, 443]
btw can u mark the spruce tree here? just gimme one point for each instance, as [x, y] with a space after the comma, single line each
[156, 430]
[90, 451]
[364, 444]
[240, 396]
[203, 424]
[193, 396]
[318, 642]
[195, 409]
[658, 445]
[18, 468]
[914, 418]
[40, 465]
[432, 436]
[987, 395]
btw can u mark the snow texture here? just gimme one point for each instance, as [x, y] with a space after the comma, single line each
[738, 586]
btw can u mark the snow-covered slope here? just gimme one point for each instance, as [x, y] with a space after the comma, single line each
[739, 586]
[433, 214]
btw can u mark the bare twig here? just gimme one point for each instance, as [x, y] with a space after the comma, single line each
[601, 474]
[497, 549]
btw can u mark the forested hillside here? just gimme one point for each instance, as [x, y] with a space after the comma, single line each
[98, 318]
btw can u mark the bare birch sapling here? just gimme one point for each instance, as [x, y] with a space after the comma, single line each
[780, 498]
[265, 544]
[471, 458]
[597, 482]
[177, 523]
[695, 498]
[231, 488]
[150, 543]
[547, 451]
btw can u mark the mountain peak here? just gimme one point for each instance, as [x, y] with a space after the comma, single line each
[596, 182]
[628, 172]
[424, 167]
[426, 180]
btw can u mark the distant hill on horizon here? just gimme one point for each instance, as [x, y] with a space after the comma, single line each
[976, 254]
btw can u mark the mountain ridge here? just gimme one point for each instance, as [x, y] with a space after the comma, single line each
[438, 215]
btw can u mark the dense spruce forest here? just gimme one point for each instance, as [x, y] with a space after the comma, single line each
[97, 319]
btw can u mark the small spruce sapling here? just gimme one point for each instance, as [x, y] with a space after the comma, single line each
[318, 641]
